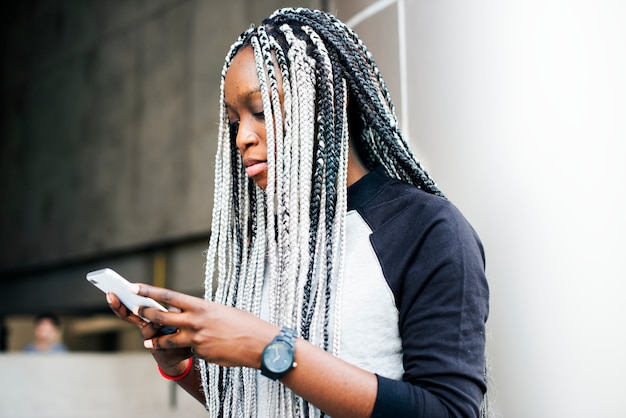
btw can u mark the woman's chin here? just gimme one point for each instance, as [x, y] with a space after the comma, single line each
[261, 180]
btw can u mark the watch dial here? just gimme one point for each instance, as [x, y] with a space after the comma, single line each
[278, 357]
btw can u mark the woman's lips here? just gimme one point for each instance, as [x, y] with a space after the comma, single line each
[256, 168]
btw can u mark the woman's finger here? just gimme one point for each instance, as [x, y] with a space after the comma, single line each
[121, 311]
[166, 342]
[150, 329]
[165, 296]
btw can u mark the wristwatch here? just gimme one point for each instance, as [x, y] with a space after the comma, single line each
[278, 356]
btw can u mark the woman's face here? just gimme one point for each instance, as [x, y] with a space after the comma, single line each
[244, 104]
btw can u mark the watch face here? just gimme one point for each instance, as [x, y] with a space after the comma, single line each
[278, 357]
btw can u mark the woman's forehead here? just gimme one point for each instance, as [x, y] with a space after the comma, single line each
[242, 75]
[243, 64]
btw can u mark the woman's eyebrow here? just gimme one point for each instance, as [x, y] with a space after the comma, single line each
[244, 96]
[251, 92]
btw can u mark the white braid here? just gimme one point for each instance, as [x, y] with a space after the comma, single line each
[221, 195]
[274, 192]
[275, 250]
[301, 112]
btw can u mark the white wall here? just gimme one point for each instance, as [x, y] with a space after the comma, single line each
[528, 136]
[518, 110]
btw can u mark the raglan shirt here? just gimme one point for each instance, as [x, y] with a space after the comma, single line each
[414, 300]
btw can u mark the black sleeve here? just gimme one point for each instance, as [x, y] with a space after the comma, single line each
[434, 263]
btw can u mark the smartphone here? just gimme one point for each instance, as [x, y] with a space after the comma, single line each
[109, 280]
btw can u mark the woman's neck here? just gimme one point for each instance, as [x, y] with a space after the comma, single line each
[356, 168]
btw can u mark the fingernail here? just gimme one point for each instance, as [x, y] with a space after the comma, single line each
[148, 344]
[135, 310]
[133, 288]
[109, 300]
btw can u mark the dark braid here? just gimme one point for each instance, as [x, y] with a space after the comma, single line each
[330, 154]
[360, 71]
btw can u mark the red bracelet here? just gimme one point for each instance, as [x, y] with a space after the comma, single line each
[180, 376]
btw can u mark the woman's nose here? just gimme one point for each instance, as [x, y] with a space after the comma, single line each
[246, 136]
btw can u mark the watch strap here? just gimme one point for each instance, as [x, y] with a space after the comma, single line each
[287, 335]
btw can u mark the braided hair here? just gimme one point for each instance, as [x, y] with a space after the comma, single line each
[291, 236]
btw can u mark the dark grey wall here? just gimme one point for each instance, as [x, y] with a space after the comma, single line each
[109, 113]
[109, 109]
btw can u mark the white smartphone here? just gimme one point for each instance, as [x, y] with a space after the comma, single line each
[109, 280]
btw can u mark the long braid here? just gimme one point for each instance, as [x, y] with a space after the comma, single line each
[376, 107]
[329, 111]
[291, 236]
[302, 102]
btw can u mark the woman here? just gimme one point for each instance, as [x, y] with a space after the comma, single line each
[345, 283]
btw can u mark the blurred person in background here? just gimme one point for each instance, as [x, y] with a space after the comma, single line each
[47, 335]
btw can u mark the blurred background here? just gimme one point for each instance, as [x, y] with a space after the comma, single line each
[109, 111]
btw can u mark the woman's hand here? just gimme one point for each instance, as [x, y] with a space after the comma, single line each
[169, 360]
[214, 332]
[231, 337]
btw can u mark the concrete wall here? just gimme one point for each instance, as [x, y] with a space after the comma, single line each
[109, 112]
[90, 385]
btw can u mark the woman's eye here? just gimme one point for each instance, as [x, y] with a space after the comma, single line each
[260, 115]
[234, 130]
